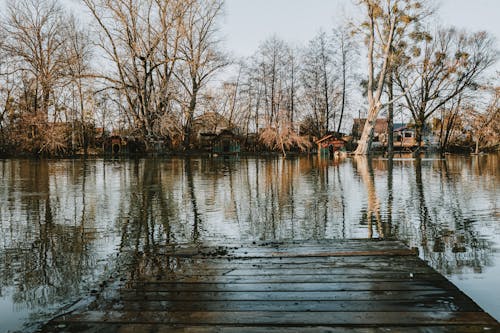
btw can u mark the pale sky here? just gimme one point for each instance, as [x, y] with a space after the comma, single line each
[249, 22]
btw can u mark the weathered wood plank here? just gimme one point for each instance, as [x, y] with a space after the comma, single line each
[156, 328]
[338, 248]
[284, 278]
[290, 286]
[301, 306]
[285, 318]
[296, 271]
[271, 261]
[135, 295]
[293, 262]
[288, 252]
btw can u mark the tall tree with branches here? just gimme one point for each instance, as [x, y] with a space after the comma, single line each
[141, 40]
[443, 67]
[199, 54]
[387, 22]
[318, 82]
[35, 42]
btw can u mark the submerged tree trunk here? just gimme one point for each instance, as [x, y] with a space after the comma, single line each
[342, 106]
[190, 116]
[366, 136]
[390, 117]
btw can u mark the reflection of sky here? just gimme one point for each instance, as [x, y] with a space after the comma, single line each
[483, 288]
[10, 317]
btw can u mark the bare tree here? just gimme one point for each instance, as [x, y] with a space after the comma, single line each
[141, 40]
[449, 63]
[79, 53]
[199, 54]
[318, 82]
[485, 123]
[272, 67]
[34, 37]
[345, 58]
[35, 44]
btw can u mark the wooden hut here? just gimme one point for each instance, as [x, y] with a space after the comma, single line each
[330, 146]
[404, 138]
[226, 142]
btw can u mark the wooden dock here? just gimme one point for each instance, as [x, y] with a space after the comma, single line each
[336, 286]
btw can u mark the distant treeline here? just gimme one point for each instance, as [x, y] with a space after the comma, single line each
[149, 71]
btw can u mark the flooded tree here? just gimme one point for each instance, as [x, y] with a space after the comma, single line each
[200, 55]
[79, 70]
[443, 67]
[35, 42]
[387, 22]
[318, 83]
[345, 58]
[485, 122]
[141, 40]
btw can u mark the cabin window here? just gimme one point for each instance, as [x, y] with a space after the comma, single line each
[408, 134]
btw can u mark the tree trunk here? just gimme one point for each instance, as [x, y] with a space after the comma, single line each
[342, 106]
[189, 121]
[366, 135]
[419, 129]
[390, 117]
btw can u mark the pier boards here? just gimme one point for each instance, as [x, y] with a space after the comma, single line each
[327, 286]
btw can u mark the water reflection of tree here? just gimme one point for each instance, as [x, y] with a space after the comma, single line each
[372, 216]
[45, 258]
[147, 211]
[448, 239]
[269, 198]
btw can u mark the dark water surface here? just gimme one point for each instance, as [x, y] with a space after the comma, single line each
[64, 223]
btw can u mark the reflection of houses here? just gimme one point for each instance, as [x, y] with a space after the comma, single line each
[330, 145]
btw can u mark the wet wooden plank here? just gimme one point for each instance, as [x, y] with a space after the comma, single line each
[334, 248]
[302, 306]
[284, 278]
[298, 286]
[155, 328]
[292, 262]
[285, 318]
[228, 271]
[289, 252]
[271, 261]
[135, 295]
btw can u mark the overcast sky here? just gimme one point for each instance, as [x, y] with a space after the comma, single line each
[249, 22]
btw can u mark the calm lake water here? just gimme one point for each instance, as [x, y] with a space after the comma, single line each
[66, 224]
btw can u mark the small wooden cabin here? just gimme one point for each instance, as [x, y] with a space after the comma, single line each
[116, 145]
[404, 137]
[330, 146]
[226, 142]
